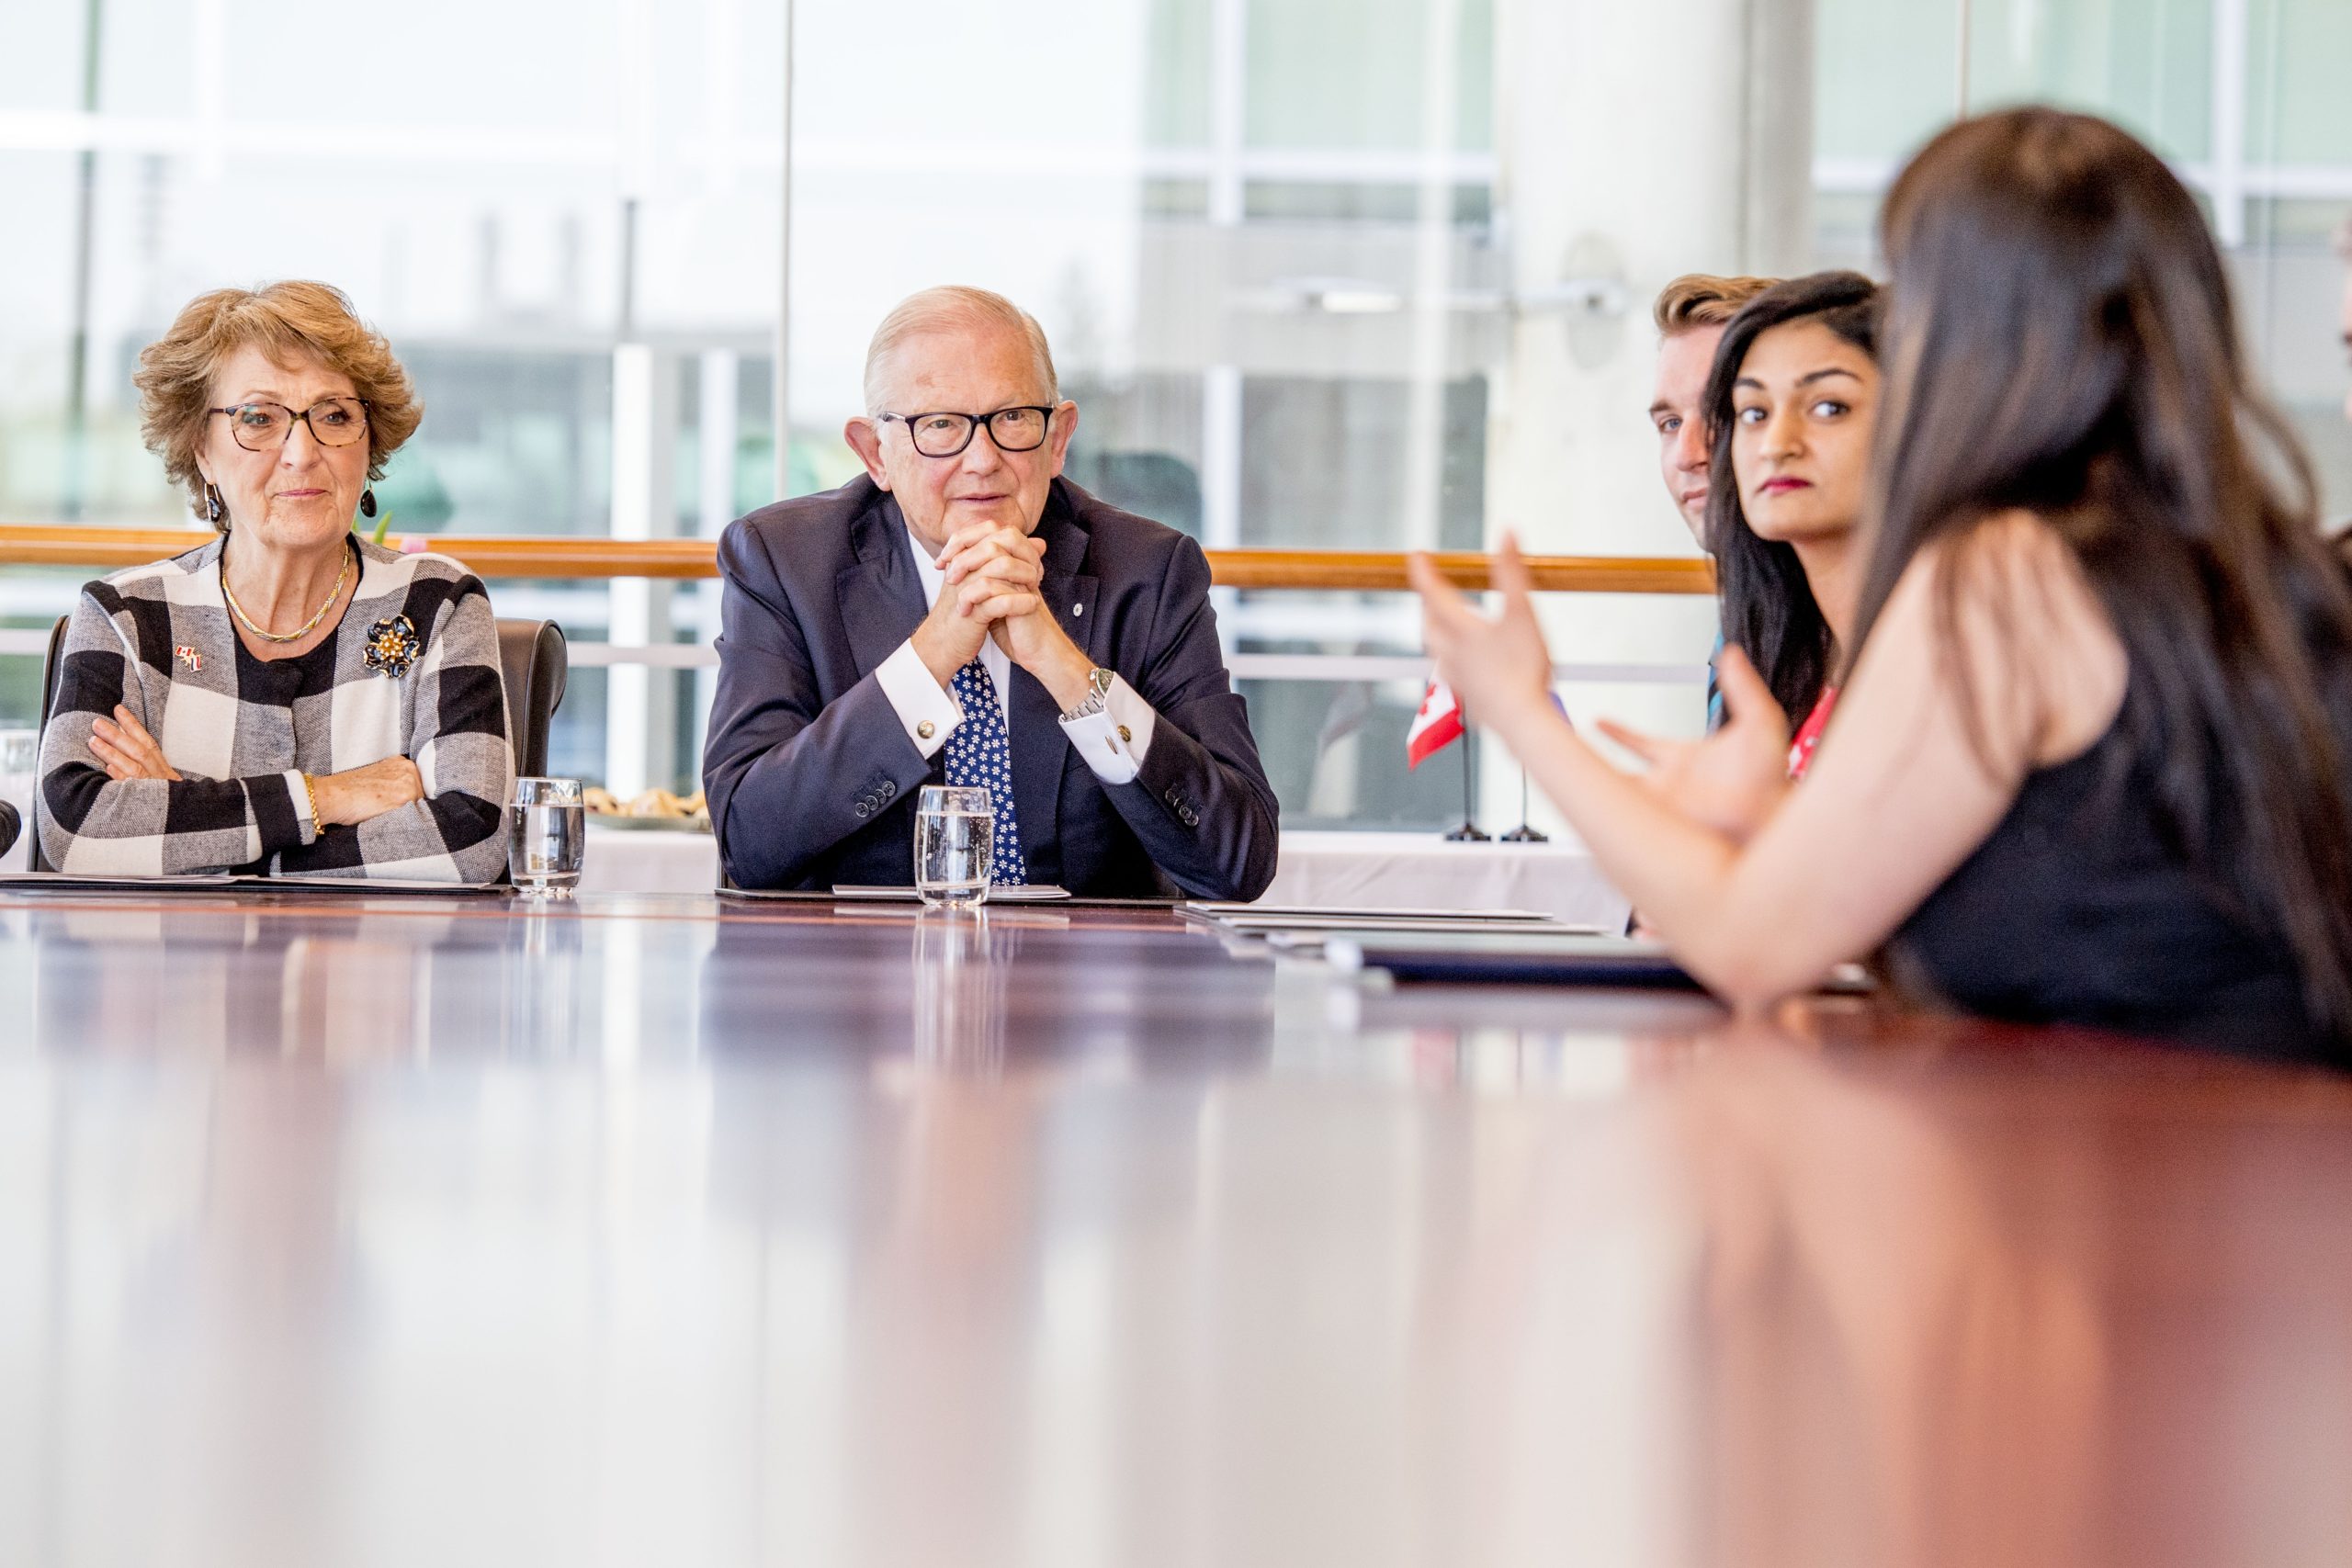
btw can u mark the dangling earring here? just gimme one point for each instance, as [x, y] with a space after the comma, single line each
[367, 502]
[213, 510]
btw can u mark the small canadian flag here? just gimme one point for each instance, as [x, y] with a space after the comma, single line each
[189, 657]
[1436, 727]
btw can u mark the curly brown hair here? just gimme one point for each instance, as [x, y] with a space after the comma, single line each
[174, 374]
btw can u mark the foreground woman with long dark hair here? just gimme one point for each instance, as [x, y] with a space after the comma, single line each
[2094, 760]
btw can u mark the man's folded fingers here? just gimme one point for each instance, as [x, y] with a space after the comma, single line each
[1007, 606]
[989, 538]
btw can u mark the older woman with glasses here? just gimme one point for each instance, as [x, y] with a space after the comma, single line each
[287, 697]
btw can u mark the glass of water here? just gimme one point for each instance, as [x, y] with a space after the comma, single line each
[955, 845]
[547, 834]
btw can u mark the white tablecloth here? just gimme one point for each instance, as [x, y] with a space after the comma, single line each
[1422, 871]
[1415, 870]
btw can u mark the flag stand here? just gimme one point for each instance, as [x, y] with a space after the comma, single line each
[1525, 832]
[1468, 832]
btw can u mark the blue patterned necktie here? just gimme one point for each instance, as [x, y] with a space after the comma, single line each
[979, 757]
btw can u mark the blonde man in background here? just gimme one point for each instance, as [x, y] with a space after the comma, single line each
[1690, 313]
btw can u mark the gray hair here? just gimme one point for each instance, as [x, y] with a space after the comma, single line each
[949, 308]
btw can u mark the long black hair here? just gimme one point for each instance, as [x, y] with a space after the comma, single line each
[2060, 339]
[1769, 609]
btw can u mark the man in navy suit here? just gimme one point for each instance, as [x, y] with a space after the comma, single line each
[963, 614]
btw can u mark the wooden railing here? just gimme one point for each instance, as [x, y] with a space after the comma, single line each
[585, 558]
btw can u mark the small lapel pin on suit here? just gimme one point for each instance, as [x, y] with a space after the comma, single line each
[188, 655]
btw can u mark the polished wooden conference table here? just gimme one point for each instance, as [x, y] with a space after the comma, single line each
[647, 1230]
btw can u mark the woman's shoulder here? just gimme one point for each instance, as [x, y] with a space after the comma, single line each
[2012, 573]
[2021, 614]
[439, 597]
[2002, 545]
[411, 565]
[165, 579]
[423, 584]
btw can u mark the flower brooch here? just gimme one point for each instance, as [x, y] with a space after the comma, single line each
[392, 645]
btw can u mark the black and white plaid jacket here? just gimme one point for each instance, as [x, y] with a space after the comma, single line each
[242, 732]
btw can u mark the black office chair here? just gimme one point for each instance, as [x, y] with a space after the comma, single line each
[537, 664]
[52, 667]
[532, 657]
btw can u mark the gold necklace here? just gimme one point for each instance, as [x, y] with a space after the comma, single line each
[306, 627]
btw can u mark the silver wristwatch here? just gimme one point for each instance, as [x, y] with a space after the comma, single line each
[1098, 692]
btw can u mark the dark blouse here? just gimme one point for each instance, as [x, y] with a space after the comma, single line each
[2077, 910]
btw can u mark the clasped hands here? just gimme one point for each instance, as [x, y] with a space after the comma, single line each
[1500, 672]
[126, 751]
[994, 588]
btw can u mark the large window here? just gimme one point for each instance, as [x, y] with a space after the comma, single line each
[1269, 239]
[2246, 98]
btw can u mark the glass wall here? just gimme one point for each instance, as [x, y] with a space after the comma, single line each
[2246, 98]
[516, 194]
[1219, 211]
[1262, 234]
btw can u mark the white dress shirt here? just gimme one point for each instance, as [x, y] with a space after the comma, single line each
[1112, 742]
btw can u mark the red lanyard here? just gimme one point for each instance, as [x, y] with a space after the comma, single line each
[1800, 749]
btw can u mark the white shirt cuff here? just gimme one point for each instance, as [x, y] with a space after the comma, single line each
[927, 709]
[1114, 742]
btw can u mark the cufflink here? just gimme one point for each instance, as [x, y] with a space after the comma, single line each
[1126, 735]
[925, 729]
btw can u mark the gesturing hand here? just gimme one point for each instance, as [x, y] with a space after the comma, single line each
[1500, 669]
[1731, 780]
[126, 751]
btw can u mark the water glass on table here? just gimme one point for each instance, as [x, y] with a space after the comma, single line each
[546, 834]
[955, 845]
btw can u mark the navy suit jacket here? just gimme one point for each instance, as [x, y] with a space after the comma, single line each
[811, 777]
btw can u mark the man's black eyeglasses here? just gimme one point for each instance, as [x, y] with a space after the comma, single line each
[1019, 429]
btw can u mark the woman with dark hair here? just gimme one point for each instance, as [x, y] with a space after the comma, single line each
[2093, 760]
[1790, 403]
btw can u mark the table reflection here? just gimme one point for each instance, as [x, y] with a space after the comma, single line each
[199, 984]
[960, 963]
[883, 1239]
